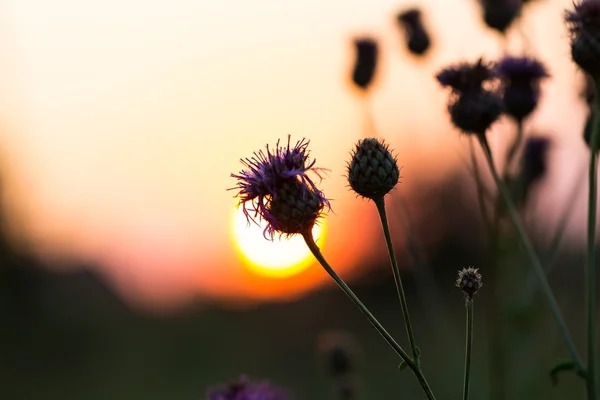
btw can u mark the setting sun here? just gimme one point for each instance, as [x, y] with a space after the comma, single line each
[279, 258]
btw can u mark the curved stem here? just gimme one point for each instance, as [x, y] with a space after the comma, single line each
[591, 260]
[380, 203]
[469, 342]
[310, 242]
[535, 261]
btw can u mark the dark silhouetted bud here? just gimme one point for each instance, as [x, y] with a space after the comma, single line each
[417, 38]
[520, 85]
[469, 281]
[584, 26]
[533, 168]
[472, 107]
[373, 171]
[500, 14]
[366, 62]
[340, 353]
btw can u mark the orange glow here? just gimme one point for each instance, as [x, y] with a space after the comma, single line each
[280, 258]
[121, 122]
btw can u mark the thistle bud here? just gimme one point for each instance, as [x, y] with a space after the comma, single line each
[584, 26]
[373, 171]
[417, 38]
[366, 62]
[340, 354]
[500, 14]
[469, 281]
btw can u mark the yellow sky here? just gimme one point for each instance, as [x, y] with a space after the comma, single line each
[122, 120]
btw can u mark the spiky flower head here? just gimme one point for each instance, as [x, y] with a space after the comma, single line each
[243, 389]
[417, 38]
[469, 281]
[473, 107]
[500, 14]
[520, 77]
[373, 170]
[275, 187]
[584, 26]
[366, 62]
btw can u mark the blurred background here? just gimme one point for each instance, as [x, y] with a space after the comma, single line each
[126, 269]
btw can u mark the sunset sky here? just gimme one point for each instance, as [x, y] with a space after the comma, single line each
[121, 122]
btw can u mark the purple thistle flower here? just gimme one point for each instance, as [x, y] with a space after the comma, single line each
[277, 186]
[521, 84]
[243, 389]
[584, 26]
[472, 107]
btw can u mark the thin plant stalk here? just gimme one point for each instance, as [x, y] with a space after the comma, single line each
[416, 369]
[535, 261]
[512, 151]
[480, 189]
[468, 345]
[380, 203]
[591, 259]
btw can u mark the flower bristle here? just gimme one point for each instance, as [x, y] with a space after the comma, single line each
[521, 68]
[466, 76]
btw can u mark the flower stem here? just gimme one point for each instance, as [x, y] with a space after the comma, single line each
[535, 261]
[468, 343]
[512, 151]
[310, 242]
[591, 259]
[380, 203]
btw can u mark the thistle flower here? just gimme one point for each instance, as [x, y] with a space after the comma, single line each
[417, 38]
[520, 78]
[469, 281]
[500, 14]
[584, 26]
[373, 170]
[277, 186]
[366, 62]
[243, 389]
[472, 107]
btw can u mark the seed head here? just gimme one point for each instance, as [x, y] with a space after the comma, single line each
[373, 170]
[243, 389]
[469, 281]
[275, 187]
[584, 26]
[366, 62]
[417, 38]
[520, 77]
[500, 14]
